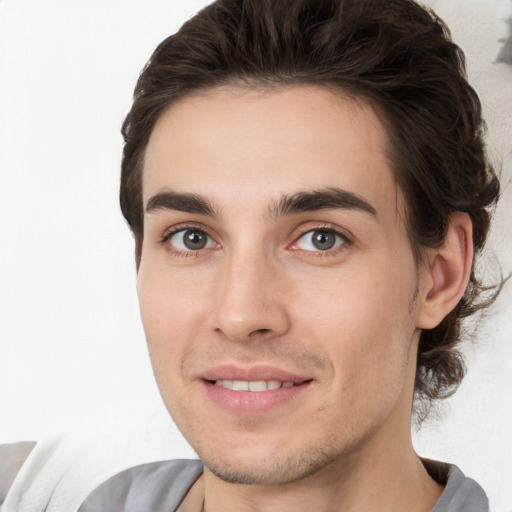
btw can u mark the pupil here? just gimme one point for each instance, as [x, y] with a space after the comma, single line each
[194, 240]
[323, 240]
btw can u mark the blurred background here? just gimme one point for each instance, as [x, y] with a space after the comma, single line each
[74, 369]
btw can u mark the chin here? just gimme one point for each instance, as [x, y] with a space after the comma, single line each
[277, 470]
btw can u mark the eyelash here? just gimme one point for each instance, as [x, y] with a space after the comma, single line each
[326, 228]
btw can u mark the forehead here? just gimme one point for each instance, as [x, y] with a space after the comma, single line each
[230, 143]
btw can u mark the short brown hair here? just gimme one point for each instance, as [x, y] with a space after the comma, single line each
[394, 54]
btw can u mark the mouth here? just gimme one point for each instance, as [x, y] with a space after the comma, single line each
[255, 386]
[255, 390]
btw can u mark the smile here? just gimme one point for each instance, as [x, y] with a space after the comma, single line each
[253, 397]
[253, 385]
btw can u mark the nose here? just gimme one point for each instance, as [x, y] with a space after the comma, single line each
[249, 300]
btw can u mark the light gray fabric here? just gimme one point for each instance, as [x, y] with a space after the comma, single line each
[153, 487]
[461, 494]
[12, 457]
[162, 486]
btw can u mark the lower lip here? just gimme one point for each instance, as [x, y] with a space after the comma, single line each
[252, 402]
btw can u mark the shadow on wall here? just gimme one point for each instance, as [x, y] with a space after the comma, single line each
[505, 54]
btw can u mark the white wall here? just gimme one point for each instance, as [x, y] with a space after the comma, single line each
[72, 353]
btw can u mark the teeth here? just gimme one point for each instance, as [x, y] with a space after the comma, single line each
[256, 385]
[240, 385]
[273, 384]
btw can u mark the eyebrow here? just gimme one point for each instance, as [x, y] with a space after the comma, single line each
[330, 198]
[189, 203]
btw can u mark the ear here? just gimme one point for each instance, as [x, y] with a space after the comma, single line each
[445, 274]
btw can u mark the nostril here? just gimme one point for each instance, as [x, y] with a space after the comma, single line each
[258, 331]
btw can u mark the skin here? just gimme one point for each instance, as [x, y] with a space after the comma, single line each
[260, 293]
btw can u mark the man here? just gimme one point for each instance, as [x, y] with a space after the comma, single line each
[308, 189]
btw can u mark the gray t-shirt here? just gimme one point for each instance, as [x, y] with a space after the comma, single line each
[162, 486]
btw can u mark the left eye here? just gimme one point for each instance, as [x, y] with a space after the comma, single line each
[320, 240]
[190, 240]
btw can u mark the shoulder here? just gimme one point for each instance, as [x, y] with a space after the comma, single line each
[157, 486]
[461, 494]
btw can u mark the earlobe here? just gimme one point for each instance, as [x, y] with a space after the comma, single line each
[446, 273]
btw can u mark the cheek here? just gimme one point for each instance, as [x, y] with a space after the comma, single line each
[170, 318]
[168, 298]
[168, 326]
[365, 323]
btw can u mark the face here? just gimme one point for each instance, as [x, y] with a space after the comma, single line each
[277, 284]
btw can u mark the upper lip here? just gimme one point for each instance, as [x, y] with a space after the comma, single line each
[252, 373]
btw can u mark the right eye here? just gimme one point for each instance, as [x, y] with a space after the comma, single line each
[190, 240]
